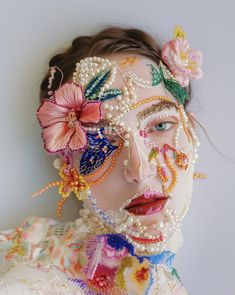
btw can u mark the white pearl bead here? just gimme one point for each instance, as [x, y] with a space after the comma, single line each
[126, 143]
[142, 248]
[130, 221]
[58, 163]
[125, 162]
[118, 229]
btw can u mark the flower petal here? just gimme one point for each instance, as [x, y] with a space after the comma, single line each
[183, 80]
[196, 56]
[49, 113]
[57, 136]
[78, 140]
[197, 73]
[91, 112]
[69, 95]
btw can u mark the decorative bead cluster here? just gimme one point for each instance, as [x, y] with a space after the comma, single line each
[89, 67]
[71, 182]
[137, 81]
[137, 234]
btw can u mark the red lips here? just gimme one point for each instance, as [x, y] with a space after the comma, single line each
[147, 203]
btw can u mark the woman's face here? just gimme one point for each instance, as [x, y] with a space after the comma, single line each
[152, 168]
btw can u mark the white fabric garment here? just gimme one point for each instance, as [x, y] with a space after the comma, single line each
[26, 279]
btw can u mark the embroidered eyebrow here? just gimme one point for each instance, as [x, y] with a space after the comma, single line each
[155, 108]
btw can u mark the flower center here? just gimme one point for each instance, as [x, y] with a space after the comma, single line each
[184, 57]
[72, 118]
[142, 274]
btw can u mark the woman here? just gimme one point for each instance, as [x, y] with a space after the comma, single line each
[113, 109]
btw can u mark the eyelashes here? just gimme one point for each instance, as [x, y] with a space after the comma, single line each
[160, 126]
[166, 118]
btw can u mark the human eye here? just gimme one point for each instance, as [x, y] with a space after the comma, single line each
[160, 126]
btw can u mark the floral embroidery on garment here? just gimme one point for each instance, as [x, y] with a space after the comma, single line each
[96, 264]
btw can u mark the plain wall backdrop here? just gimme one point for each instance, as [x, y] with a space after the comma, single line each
[32, 31]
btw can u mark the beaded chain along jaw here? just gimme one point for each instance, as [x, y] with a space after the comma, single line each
[107, 251]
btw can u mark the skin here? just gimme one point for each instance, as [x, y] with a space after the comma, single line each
[124, 183]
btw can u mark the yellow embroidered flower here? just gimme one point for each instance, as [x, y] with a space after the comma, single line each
[137, 277]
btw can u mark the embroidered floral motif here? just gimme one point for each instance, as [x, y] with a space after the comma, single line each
[116, 270]
[183, 61]
[99, 148]
[62, 118]
[66, 254]
[72, 182]
[137, 277]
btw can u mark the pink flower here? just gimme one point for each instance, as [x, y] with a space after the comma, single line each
[183, 61]
[63, 116]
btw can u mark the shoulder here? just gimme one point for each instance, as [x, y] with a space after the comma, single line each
[29, 241]
[30, 279]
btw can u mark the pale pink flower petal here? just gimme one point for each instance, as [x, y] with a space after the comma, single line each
[57, 136]
[59, 115]
[78, 140]
[49, 113]
[196, 56]
[183, 62]
[183, 80]
[69, 95]
[91, 112]
[197, 73]
[182, 44]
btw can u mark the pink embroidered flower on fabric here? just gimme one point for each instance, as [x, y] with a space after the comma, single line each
[183, 61]
[63, 116]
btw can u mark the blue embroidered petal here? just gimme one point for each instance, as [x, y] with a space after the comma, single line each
[99, 147]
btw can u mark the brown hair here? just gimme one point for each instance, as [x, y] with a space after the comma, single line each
[108, 41]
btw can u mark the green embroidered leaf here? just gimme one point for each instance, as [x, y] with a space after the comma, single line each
[176, 90]
[109, 94]
[93, 87]
[157, 76]
[170, 83]
[175, 273]
[152, 155]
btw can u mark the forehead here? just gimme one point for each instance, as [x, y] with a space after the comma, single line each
[138, 68]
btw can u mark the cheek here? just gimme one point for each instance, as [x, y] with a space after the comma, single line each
[182, 139]
[110, 191]
[182, 191]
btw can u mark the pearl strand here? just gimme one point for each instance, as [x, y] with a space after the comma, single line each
[138, 81]
[89, 67]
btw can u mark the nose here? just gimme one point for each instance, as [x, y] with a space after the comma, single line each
[138, 169]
